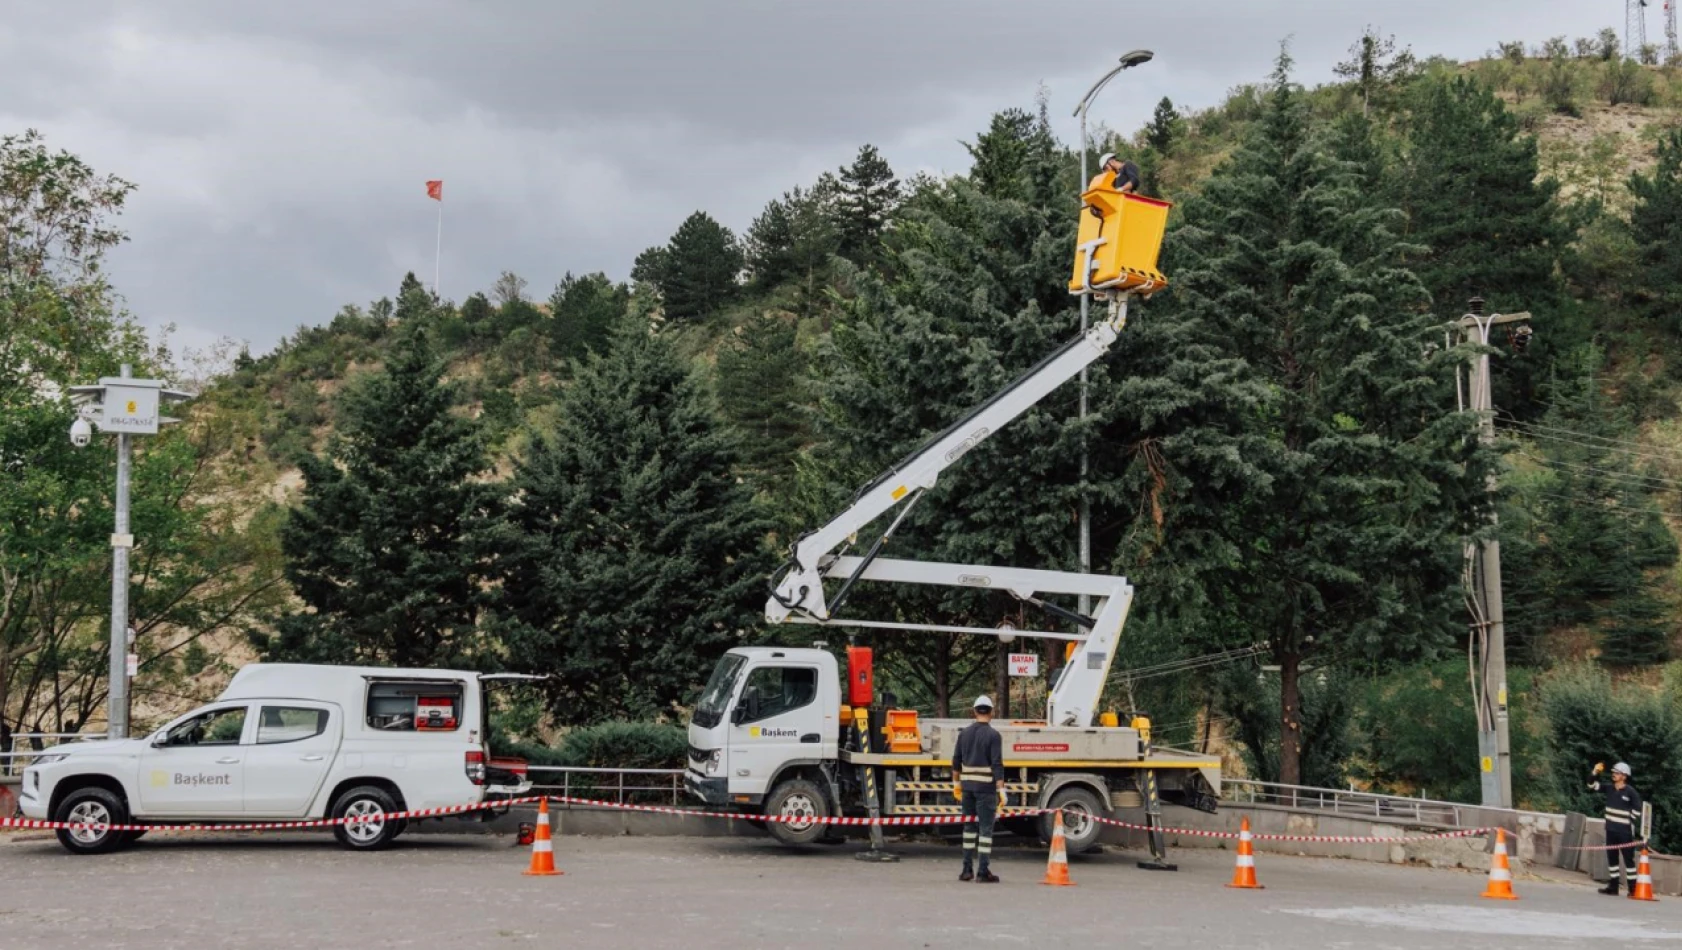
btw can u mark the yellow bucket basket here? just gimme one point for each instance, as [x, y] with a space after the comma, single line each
[1119, 241]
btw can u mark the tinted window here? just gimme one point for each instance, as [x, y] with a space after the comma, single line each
[217, 727]
[774, 690]
[289, 724]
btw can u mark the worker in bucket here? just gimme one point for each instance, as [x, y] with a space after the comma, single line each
[1623, 810]
[1118, 173]
[978, 778]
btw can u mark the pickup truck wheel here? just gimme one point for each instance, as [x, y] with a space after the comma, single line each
[370, 803]
[802, 805]
[1079, 806]
[93, 806]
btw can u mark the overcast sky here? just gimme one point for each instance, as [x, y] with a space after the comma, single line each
[281, 148]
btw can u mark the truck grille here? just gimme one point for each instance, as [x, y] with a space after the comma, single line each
[699, 755]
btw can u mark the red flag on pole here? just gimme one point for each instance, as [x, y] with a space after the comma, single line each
[435, 190]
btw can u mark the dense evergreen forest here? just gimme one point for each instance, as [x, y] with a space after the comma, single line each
[595, 483]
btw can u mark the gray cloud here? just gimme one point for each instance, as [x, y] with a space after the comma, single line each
[280, 148]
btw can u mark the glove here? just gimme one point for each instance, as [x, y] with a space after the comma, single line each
[958, 790]
[1599, 767]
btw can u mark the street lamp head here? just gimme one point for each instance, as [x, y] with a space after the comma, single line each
[80, 432]
[1138, 57]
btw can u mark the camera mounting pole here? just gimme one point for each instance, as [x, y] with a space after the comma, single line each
[127, 407]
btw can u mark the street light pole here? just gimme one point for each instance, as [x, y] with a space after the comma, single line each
[1484, 570]
[1137, 57]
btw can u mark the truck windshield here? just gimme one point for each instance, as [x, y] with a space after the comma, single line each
[715, 698]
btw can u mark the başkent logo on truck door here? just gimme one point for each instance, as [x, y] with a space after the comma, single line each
[1040, 747]
[167, 779]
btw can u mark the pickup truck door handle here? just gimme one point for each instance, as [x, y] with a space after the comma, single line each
[230, 760]
[312, 758]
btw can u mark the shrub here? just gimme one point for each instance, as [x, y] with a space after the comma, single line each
[1590, 720]
[611, 745]
[1417, 733]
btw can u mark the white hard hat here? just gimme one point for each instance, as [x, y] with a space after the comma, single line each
[983, 702]
[1105, 159]
[1622, 767]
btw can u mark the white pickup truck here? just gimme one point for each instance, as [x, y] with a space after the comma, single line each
[286, 742]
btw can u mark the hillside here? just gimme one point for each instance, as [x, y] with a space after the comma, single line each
[860, 312]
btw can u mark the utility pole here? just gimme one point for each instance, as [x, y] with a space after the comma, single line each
[1136, 57]
[1483, 570]
[126, 407]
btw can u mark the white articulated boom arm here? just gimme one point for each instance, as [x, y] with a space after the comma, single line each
[798, 595]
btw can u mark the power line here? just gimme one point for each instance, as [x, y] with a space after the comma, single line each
[1511, 421]
[1631, 479]
[1655, 456]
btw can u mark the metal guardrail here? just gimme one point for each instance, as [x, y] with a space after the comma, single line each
[1353, 804]
[645, 787]
[14, 760]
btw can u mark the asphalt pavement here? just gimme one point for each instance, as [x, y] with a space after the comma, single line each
[434, 891]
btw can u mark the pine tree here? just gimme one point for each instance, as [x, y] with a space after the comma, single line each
[1599, 532]
[697, 276]
[869, 192]
[1375, 67]
[583, 311]
[650, 267]
[413, 299]
[1335, 492]
[387, 548]
[1001, 155]
[759, 387]
[1471, 190]
[1164, 127]
[979, 296]
[1655, 224]
[632, 557]
[769, 245]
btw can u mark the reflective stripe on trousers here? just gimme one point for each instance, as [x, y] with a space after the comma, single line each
[979, 808]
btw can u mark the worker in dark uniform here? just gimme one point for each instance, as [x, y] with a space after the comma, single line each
[1623, 810]
[978, 777]
[1118, 173]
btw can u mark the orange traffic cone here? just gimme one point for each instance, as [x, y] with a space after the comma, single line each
[1057, 865]
[1643, 880]
[1500, 875]
[1244, 875]
[542, 850]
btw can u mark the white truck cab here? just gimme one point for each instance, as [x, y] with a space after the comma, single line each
[764, 712]
[285, 742]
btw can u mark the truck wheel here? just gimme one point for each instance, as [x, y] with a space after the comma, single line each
[93, 806]
[802, 804]
[1079, 806]
[369, 802]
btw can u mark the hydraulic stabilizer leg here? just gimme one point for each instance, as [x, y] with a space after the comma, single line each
[1153, 805]
[867, 777]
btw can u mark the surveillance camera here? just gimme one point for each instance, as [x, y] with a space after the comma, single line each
[81, 433]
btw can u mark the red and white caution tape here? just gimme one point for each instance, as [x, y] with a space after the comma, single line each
[268, 825]
[839, 820]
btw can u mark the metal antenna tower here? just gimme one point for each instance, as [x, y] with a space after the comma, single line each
[1670, 50]
[1635, 27]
